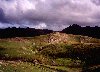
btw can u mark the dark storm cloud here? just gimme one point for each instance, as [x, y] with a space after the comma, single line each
[2, 16]
[51, 14]
[97, 2]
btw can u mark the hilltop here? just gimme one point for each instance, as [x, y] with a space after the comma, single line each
[54, 52]
[57, 37]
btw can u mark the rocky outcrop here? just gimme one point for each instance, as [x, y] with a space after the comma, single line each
[58, 38]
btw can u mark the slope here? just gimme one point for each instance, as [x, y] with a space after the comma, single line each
[55, 52]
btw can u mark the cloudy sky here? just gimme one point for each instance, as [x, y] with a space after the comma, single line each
[49, 14]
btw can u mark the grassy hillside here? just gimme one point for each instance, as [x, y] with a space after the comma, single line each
[55, 52]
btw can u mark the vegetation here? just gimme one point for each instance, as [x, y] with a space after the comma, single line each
[46, 53]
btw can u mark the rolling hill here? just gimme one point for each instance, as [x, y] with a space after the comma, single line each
[54, 52]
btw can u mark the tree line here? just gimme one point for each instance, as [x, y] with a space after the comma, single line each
[86, 31]
[22, 32]
[30, 32]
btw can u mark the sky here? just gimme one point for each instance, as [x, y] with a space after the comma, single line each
[49, 14]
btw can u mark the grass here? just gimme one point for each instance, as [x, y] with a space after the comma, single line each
[13, 66]
[15, 49]
[63, 68]
[35, 54]
[68, 62]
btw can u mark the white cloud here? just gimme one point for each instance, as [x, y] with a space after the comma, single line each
[5, 25]
[40, 26]
[43, 0]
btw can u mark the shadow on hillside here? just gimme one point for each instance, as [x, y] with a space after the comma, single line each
[88, 56]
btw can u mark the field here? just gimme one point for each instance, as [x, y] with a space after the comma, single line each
[55, 52]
